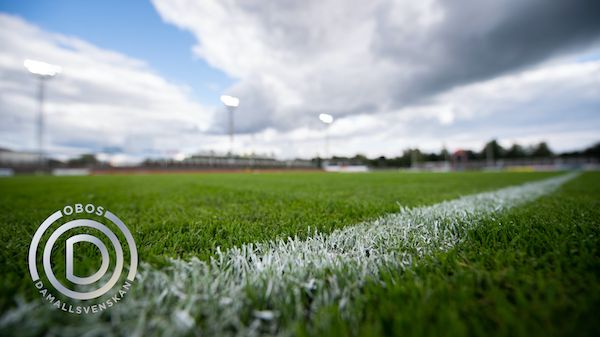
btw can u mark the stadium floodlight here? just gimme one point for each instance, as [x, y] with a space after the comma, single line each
[43, 71]
[42, 68]
[326, 118]
[231, 103]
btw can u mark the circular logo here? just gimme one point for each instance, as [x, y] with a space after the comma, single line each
[90, 292]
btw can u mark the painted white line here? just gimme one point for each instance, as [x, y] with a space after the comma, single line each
[247, 290]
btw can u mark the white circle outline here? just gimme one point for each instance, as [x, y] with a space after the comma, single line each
[48, 267]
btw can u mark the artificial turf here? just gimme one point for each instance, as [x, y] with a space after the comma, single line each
[533, 271]
[190, 215]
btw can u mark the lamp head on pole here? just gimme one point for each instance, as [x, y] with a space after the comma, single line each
[42, 69]
[230, 101]
[326, 118]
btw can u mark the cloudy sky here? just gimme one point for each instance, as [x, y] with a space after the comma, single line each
[143, 79]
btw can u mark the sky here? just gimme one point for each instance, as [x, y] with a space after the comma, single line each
[143, 79]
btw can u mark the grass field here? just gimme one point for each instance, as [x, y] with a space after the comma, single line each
[533, 269]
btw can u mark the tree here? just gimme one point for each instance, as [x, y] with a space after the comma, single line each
[593, 151]
[542, 151]
[87, 159]
[379, 162]
[445, 155]
[492, 150]
[360, 158]
[516, 151]
[415, 156]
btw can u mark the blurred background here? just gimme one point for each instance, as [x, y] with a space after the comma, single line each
[184, 85]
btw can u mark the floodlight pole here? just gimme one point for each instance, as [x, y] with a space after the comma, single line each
[231, 103]
[40, 121]
[327, 141]
[489, 155]
[327, 120]
[42, 71]
[414, 160]
[231, 109]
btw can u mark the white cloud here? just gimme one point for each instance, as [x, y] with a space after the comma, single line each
[402, 73]
[102, 99]
[395, 74]
[557, 103]
[297, 59]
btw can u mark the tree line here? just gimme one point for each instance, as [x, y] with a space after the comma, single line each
[491, 151]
